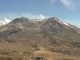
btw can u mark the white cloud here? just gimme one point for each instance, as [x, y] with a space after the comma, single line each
[66, 2]
[41, 16]
[33, 16]
[6, 20]
[69, 4]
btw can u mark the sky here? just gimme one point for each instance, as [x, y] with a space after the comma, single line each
[66, 10]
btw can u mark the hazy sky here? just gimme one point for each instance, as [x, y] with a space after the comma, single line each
[67, 10]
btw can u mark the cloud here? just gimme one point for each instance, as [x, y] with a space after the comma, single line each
[4, 21]
[66, 2]
[69, 4]
[40, 16]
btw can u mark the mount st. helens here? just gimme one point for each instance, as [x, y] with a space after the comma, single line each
[49, 34]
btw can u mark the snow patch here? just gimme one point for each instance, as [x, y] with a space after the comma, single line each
[66, 23]
[62, 22]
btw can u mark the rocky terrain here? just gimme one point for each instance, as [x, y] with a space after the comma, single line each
[32, 39]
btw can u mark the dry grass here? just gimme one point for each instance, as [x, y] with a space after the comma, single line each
[53, 55]
[20, 51]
